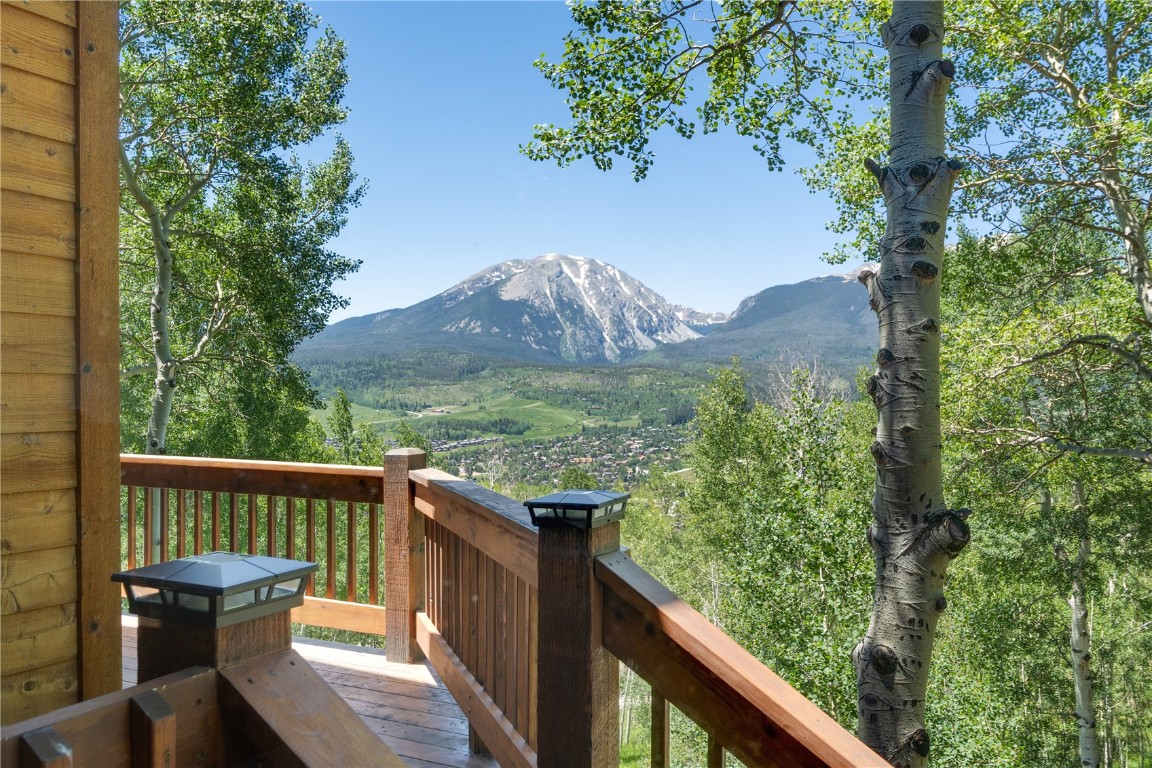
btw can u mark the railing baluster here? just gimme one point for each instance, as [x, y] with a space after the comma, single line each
[350, 594]
[310, 541]
[181, 523]
[524, 698]
[131, 527]
[215, 521]
[148, 533]
[290, 527]
[498, 684]
[661, 731]
[374, 554]
[715, 753]
[164, 494]
[272, 527]
[198, 522]
[533, 664]
[253, 523]
[233, 522]
[330, 566]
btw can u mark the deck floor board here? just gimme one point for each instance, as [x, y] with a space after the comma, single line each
[406, 705]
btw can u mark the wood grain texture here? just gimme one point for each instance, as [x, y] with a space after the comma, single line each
[37, 166]
[38, 285]
[36, 225]
[99, 730]
[44, 749]
[577, 706]
[32, 533]
[404, 549]
[165, 647]
[98, 345]
[38, 579]
[33, 402]
[499, 735]
[152, 726]
[340, 614]
[38, 462]
[39, 44]
[62, 11]
[752, 712]
[38, 105]
[37, 344]
[494, 524]
[38, 638]
[303, 481]
[26, 694]
[295, 718]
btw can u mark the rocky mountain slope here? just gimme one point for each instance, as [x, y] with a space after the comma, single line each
[574, 310]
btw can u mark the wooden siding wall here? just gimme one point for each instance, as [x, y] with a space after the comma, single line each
[59, 356]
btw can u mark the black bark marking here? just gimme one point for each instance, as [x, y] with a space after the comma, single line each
[920, 173]
[941, 604]
[919, 33]
[948, 69]
[883, 660]
[919, 742]
[885, 357]
[925, 270]
[930, 326]
[915, 244]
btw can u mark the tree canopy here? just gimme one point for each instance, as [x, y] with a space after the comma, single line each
[223, 229]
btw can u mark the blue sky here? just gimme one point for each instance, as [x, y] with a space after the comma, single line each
[442, 94]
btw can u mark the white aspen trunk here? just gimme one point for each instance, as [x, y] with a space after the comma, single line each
[165, 384]
[1081, 642]
[914, 534]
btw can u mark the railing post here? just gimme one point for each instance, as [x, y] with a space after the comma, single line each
[403, 555]
[578, 701]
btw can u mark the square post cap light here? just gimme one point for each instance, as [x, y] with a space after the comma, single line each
[216, 589]
[582, 509]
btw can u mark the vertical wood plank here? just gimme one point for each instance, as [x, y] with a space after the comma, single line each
[233, 522]
[152, 724]
[165, 510]
[253, 523]
[524, 698]
[131, 527]
[216, 521]
[403, 554]
[148, 534]
[374, 554]
[45, 748]
[98, 346]
[350, 579]
[578, 704]
[310, 540]
[181, 523]
[498, 684]
[272, 525]
[532, 730]
[715, 753]
[330, 543]
[661, 731]
[290, 527]
[197, 522]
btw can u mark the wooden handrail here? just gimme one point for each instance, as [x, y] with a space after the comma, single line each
[268, 491]
[479, 619]
[495, 524]
[745, 706]
[338, 482]
[470, 560]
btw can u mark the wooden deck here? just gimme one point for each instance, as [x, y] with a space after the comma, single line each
[405, 704]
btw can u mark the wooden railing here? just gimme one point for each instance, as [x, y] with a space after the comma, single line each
[464, 575]
[327, 514]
